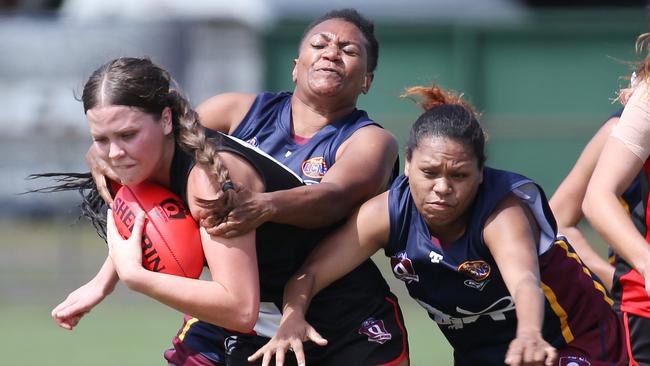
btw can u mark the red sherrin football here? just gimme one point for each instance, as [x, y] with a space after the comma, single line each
[171, 242]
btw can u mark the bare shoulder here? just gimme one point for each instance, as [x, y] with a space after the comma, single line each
[375, 132]
[224, 112]
[508, 203]
[376, 206]
[374, 220]
[370, 138]
[510, 217]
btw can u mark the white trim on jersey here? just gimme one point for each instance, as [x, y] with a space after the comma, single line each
[529, 193]
[261, 152]
[268, 320]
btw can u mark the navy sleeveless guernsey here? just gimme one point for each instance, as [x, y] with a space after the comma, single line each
[281, 249]
[267, 126]
[460, 285]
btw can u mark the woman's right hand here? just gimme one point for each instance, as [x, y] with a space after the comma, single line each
[293, 331]
[78, 303]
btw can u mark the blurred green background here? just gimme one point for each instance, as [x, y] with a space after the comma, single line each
[544, 84]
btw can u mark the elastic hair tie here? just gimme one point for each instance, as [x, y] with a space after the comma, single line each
[227, 185]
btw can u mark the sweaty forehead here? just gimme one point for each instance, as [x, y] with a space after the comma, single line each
[344, 30]
[439, 146]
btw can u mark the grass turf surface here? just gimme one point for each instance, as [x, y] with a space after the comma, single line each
[43, 261]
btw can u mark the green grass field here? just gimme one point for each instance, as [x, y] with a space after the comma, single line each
[43, 261]
[122, 332]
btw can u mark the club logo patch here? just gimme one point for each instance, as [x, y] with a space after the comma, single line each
[253, 142]
[574, 361]
[173, 209]
[314, 167]
[403, 268]
[477, 270]
[375, 330]
[435, 257]
[230, 344]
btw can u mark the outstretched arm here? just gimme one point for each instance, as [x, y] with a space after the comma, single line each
[363, 168]
[82, 300]
[566, 204]
[364, 233]
[510, 235]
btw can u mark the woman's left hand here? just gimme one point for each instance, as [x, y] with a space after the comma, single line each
[530, 349]
[293, 331]
[252, 210]
[126, 254]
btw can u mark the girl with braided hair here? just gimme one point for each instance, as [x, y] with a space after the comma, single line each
[149, 132]
[146, 131]
[477, 247]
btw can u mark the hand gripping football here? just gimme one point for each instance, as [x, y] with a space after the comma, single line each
[171, 242]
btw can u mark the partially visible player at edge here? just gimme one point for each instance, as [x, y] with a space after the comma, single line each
[318, 132]
[566, 202]
[624, 158]
[476, 247]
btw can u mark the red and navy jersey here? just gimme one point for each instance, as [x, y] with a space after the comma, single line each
[461, 287]
[628, 290]
[629, 286]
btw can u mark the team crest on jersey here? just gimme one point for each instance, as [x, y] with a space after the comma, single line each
[375, 330]
[253, 141]
[573, 361]
[477, 270]
[230, 343]
[314, 167]
[403, 268]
